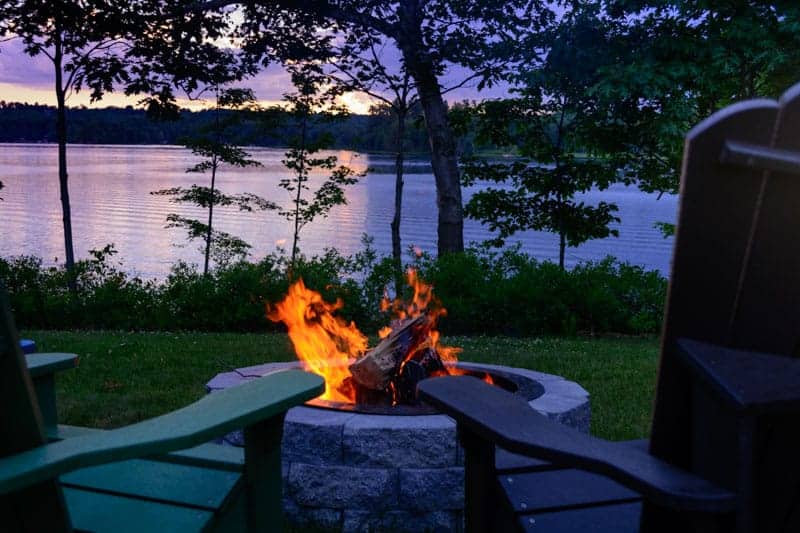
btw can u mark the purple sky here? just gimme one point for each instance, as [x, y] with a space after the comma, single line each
[27, 79]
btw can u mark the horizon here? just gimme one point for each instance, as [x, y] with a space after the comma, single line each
[31, 80]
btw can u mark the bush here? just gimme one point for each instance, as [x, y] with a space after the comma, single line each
[485, 292]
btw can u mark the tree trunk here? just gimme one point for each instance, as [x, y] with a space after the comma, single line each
[397, 252]
[300, 180]
[61, 136]
[209, 231]
[444, 160]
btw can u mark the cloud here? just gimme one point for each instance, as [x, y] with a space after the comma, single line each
[18, 68]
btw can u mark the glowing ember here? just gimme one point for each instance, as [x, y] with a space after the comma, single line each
[327, 345]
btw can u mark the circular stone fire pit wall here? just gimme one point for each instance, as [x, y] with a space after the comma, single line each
[362, 472]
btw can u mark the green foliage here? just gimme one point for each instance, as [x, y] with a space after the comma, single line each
[678, 61]
[510, 293]
[555, 117]
[485, 292]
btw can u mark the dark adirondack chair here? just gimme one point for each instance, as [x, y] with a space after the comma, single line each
[132, 478]
[724, 452]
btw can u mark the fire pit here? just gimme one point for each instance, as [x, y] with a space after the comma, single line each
[349, 469]
[366, 455]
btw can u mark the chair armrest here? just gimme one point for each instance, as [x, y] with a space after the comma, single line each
[43, 368]
[40, 364]
[751, 383]
[495, 415]
[213, 415]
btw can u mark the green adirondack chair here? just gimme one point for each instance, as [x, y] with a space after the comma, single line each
[133, 478]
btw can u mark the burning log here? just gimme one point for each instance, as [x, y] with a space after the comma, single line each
[377, 368]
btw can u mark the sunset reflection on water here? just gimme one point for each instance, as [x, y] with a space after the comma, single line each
[110, 186]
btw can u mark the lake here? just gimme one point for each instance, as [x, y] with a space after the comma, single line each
[110, 186]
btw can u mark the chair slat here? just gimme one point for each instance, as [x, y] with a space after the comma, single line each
[768, 311]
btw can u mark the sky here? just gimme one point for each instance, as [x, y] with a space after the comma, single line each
[31, 80]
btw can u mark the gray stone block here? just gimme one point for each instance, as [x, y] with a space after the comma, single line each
[570, 411]
[564, 388]
[303, 517]
[400, 441]
[235, 438]
[399, 521]
[313, 436]
[266, 368]
[343, 487]
[225, 380]
[432, 489]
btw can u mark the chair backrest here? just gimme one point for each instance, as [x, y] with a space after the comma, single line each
[40, 507]
[735, 278]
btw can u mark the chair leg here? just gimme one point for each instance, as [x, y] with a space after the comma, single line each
[262, 471]
[479, 480]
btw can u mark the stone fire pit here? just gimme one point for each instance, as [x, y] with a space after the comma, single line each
[353, 471]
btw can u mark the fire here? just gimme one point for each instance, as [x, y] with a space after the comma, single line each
[422, 302]
[323, 342]
[326, 344]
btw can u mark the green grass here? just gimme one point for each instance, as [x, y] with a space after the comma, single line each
[125, 377]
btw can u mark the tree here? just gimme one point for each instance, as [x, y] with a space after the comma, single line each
[681, 60]
[431, 36]
[84, 41]
[309, 103]
[212, 146]
[556, 116]
[356, 69]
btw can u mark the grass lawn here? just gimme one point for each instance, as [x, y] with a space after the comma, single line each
[125, 377]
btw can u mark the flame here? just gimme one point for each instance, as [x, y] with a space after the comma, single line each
[422, 302]
[326, 344]
[323, 342]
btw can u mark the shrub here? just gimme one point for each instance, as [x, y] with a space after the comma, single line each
[484, 291]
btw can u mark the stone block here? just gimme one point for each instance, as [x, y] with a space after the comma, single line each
[400, 522]
[400, 441]
[313, 436]
[303, 517]
[343, 487]
[570, 411]
[432, 489]
[256, 371]
[225, 380]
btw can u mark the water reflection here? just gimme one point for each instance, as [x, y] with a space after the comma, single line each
[110, 186]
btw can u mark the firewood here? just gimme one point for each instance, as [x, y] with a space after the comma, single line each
[378, 366]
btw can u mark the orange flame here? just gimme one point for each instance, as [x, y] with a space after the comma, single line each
[326, 344]
[423, 302]
[323, 342]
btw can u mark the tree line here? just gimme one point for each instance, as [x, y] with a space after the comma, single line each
[33, 123]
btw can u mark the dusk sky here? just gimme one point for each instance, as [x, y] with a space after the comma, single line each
[27, 79]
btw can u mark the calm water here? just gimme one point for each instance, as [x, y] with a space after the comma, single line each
[110, 185]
